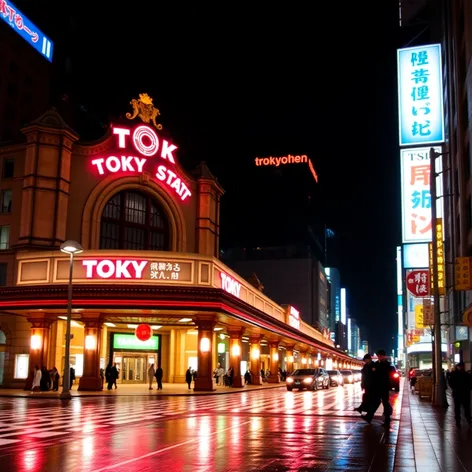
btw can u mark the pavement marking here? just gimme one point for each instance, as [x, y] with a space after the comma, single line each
[168, 448]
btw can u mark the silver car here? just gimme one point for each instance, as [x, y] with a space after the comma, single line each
[311, 379]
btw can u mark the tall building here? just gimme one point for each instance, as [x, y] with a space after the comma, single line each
[334, 279]
[354, 337]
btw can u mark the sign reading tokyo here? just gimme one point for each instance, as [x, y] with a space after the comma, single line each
[420, 95]
[293, 317]
[230, 285]
[26, 29]
[153, 154]
[416, 196]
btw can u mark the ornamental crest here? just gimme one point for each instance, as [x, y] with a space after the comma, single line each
[144, 109]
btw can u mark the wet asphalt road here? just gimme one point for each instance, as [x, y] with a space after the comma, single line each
[269, 430]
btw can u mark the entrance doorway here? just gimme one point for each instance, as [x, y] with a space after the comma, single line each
[133, 367]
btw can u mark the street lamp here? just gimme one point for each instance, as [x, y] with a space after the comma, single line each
[72, 248]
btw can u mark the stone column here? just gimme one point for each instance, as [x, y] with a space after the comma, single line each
[289, 355]
[204, 380]
[274, 363]
[39, 343]
[255, 355]
[91, 379]
[235, 354]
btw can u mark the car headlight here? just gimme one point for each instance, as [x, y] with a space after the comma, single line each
[289, 380]
[308, 380]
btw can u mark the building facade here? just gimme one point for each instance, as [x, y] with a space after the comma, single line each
[150, 234]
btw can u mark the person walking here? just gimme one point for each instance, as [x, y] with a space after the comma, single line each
[366, 385]
[382, 385]
[460, 382]
[151, 374]
[188, 377]
[159, 374]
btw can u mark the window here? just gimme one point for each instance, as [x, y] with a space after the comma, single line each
[3, 274]
[21, 366]
[132, 220]
[8, 168]
[4, 237]
[5, 206]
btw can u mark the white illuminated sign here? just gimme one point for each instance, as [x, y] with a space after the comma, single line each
[416, 195]
[230, 285]
[294, 318]
[420, 95]
[343, 306]
[119, 269]
[416, 256]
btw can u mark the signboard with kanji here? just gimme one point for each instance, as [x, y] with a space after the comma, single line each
[463, 273]
[440, 270]
[419, 322]
[428, 316]
[417, 282]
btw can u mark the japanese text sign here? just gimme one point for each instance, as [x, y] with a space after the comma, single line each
[27, 30]
[417, 282]
[416, 196]
[420, 95]
[428, 318]
[463, 273]
[419, 317]
[440, 270]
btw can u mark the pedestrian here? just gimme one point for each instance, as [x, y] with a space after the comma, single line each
[102, 375]
[159, 374]
[72, 377]
[115, 373]
[366, 384]
[188, 377]
[460, 382]
[56, 379]
[36, 379]
[381, 386]
[108, 376]
[151, 373]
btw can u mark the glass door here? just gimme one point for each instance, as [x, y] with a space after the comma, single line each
[134, 369]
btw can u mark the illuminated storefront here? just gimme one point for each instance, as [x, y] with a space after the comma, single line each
[150, 233]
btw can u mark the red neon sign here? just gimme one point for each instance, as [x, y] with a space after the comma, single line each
[147, 144]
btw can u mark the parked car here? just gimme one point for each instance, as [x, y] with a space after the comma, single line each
[394, 379]
[357, 374]
[311, 379]
[348, 376]
[335, 378]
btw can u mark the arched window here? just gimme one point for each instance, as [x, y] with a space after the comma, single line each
[132, 220]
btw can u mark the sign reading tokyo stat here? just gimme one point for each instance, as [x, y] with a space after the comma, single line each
[420, 95]
[26, 29]
[141, 149]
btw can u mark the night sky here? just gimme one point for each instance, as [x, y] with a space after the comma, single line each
[236, 81]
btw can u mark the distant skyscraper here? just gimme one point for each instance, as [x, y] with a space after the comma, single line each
[334, 278]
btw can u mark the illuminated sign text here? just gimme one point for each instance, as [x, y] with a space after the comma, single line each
[147, 144]
[118, 269]
[294, 318]
[277, 161]
[230, 285]
[420, 95]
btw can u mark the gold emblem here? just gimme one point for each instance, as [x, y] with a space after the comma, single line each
[144, 108]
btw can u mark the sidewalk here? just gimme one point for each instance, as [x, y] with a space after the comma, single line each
[428, 438]
[137, 390]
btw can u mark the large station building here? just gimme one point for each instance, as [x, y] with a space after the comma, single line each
[150, 233]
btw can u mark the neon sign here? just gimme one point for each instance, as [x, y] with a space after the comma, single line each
[230, 285]
[276, 161]
[147, 144]
[294, 318]
[117, 269]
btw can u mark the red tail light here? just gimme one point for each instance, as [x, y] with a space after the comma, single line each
[395, 375]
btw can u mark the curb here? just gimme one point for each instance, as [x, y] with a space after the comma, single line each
[40, 396]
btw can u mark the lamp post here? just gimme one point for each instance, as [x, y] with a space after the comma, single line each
[72, 248]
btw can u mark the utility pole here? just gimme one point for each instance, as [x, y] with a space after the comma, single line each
[439, 393]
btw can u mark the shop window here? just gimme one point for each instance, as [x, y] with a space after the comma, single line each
[8, 168]
[3, 274]
[4, 237]
[21, 366]
[6, 196]
[132, 220]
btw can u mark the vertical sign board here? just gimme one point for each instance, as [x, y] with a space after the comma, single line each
[463, 273]
[416, 195]
[420, 95]
[26, 29]
[441, 271]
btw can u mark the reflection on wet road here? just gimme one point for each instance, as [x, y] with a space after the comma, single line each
[264, 430]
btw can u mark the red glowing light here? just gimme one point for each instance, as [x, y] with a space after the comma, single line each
[143, 332]
[117, 269]
[124, 164]
[145, 149]
[396, 375]
[170, 178]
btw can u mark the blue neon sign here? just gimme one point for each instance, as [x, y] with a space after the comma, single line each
[420, 95]
[27, 30]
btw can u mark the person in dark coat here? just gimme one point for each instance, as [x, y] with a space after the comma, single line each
[159, 374]
[71, 377]
[108, 377]
[460, 382]
[188, 377]
[366, 384]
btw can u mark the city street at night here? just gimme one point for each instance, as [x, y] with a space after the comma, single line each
[264, 430]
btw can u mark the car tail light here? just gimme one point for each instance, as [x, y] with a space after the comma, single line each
[396, 375]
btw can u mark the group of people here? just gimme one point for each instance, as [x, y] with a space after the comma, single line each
[158, 374]
[376, 385]
[45, 380]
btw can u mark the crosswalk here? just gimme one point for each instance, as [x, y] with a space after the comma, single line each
[23, 420]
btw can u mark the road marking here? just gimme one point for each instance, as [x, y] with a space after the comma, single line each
[168, 448]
